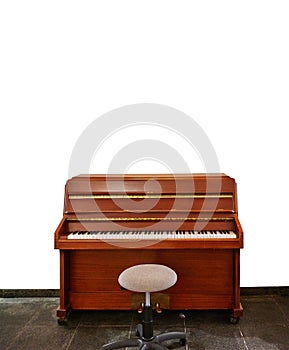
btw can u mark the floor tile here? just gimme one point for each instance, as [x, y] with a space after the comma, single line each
[42, 337]
[215, 337]
[262, 308]
[283, 304]
[8, 333]
[266, 337]
[16, 313]
[93, 338]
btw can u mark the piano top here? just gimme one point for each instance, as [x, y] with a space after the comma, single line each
[151, 175]
[151, 183]
[159, 192]
[115, 202]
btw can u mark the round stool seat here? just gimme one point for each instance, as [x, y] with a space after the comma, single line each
[147, 278]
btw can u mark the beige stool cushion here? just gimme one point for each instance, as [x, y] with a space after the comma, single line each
[147, 278]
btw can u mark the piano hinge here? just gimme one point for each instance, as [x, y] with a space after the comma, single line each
[150, 219]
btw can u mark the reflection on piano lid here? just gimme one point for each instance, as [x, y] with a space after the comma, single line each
[148, 195]
[167, 218]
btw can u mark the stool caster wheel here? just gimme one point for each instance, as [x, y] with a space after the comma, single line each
[183, 342]
[234, 320]
[139, 330]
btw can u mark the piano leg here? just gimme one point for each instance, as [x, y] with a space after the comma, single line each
[237, 307]
[64, 306]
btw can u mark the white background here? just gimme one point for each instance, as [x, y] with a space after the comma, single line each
[63, 64]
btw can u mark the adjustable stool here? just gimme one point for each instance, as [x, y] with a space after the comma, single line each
[147, 278]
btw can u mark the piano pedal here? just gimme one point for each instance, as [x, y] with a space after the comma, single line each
[158, 308]
[141, 308]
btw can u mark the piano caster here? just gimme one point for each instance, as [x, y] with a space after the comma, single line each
[62, 315]
[236, 314]
[62, 322]
[234, 319]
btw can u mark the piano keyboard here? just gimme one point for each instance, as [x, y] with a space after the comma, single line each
[150, 235]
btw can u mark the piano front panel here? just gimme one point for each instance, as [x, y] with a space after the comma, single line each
[205, 278]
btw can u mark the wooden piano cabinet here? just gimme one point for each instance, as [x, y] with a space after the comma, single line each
[207, 279]
[208, 269]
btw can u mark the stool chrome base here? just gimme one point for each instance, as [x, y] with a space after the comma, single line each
[143, 344]
[146, 340]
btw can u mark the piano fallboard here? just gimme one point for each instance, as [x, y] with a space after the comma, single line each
[66, 227]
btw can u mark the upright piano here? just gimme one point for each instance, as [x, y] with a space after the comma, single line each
[188, 222]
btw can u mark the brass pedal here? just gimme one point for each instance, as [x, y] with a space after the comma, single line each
[158, 308]
[141, 308]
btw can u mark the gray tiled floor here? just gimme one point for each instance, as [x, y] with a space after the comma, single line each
[30, 323]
